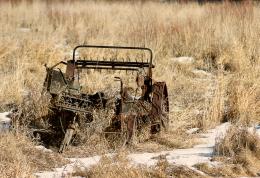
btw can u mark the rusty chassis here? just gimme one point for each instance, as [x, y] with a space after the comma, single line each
[68, 103]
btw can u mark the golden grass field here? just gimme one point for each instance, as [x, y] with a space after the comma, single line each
[221, 84]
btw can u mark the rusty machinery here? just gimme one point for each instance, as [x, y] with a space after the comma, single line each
[69, 103]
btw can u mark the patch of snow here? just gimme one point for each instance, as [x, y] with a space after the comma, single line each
[42, 148]
[210, 137]
[187, 157]
[65, 171]
[183, 60]
[201, 153]
[87, 162]
[24, 30]
[25, 93]
[254, 129]
[68, 169]
[4, 117]
[192, 130]
[197, 111]
[257, 129]
[5, 121]
[201, 73]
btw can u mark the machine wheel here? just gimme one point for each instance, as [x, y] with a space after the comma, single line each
[160, 107]
[165, 120]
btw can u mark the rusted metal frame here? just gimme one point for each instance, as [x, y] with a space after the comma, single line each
[158, 92]
[84, 63]
[62, 62]
[65, 106]
[160, 101]
[147, 89]
[110, 65]
[113, 47]
[117, 47]
[76, 98]
[108, 68]
[131, 127]
[113, 63]
[70, 71]
[140, 103]
[63, 76]
[128, 125]
[47, 81]
[167, 98]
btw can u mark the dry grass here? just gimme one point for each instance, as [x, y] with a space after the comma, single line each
[222, 38]
[91, 140]
[242, 148]
[237, 154]
[224, 170]
[20, 158]
[119, 167]
[113, 167]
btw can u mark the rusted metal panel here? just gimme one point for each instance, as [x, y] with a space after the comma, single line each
[70, 70]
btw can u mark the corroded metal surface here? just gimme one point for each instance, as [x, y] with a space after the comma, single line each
[68, 102]
[160, 104]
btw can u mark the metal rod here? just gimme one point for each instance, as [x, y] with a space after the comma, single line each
[113, 63]
[111, 68]
[113, 47]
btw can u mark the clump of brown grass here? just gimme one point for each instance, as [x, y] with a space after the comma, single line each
[222, 170]
[235, 98]
[243, 99]
[20, 158]
[215, 105]
[113, 167]
[165, 169]
[119, 167]
[242, 147]
[13, 162]
[236, 140]
[32, 111]
[90, 138]
[174, 139]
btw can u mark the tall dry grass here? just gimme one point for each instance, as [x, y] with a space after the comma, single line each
[223, 39]
[20, 158]
[119, 166]
[238, 148]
